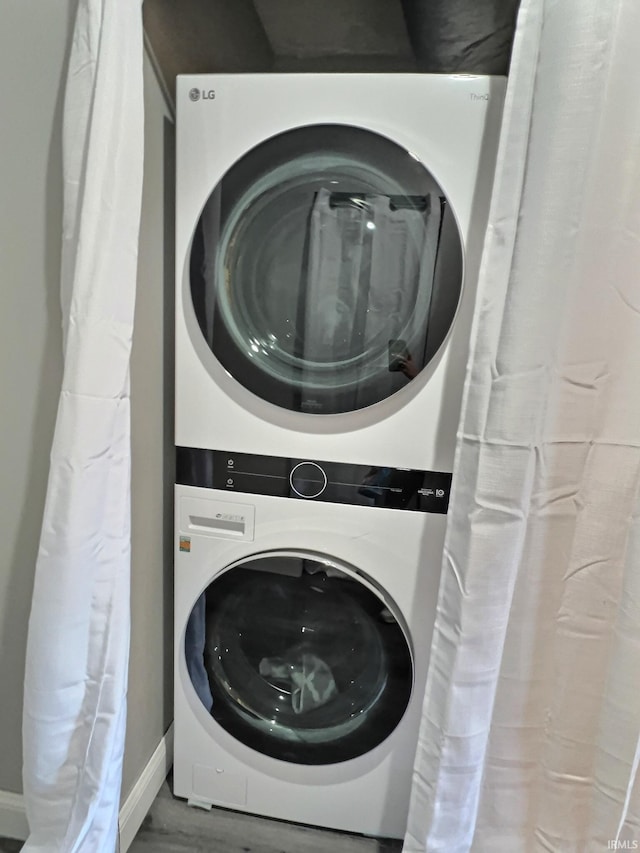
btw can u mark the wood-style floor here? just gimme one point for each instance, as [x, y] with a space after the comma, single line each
[174, 827]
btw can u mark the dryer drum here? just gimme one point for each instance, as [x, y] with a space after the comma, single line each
[314, 251]
[305, 664]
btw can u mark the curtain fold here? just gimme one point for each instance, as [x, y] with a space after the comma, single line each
[77, 652]
[531, 723]
[353, 299]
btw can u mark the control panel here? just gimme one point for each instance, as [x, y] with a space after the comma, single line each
[314, 480]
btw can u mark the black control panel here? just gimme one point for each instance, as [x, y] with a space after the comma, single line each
[314, 480]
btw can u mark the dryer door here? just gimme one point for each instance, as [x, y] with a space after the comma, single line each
[326, 269]
[299, 658]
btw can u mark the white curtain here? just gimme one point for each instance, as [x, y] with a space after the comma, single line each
[352, 306]
[356, 250]
[77, 654]
[531, 726]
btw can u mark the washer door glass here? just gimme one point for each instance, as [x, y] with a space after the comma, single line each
[298, 659]
[326, 269]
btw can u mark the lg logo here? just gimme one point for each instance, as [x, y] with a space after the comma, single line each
[196, 94]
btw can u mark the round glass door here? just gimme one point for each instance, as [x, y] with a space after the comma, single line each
[298, 659]
[326, 269]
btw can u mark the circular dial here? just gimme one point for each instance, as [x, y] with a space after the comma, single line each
[308, 480]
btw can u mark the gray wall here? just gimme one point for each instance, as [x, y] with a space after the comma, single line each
[33, 44]
[151, 659]
[33, 39]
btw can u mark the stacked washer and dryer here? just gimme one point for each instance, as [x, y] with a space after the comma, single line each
[329, 230]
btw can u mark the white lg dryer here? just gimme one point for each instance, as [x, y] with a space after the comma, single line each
[329, 230]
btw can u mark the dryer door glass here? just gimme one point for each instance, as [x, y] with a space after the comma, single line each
[299, 659]
[326, 269]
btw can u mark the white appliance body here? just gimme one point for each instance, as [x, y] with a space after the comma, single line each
[299, 478]
[398, 554]
[449, 124]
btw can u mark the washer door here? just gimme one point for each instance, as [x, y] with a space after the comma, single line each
[304, 661]
[326, 269]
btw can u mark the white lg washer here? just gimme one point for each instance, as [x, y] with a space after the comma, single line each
[302, 635]
[328, 236]
[329, 230]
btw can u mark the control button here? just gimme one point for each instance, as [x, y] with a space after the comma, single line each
[308, 480]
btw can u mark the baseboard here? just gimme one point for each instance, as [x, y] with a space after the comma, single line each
[13, 818]
[135, 808]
